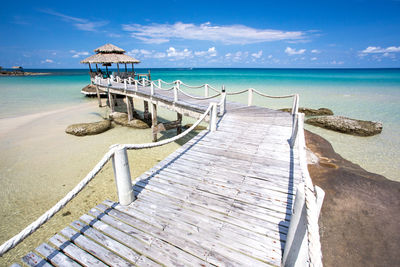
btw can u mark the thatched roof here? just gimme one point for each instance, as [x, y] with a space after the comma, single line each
[109, 53]
[110, 58]
[109, 48]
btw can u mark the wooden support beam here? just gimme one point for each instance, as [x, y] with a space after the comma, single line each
[146, 113]
[98, 95]
[126, 70]
[154, 120]
[130, 107]
[179, 120]
[118, 68]
[111, 101]
[90, 68]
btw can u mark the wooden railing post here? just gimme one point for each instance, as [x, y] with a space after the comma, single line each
[213, 117]
[250, 97]
[175, 94]
[295, 106]
[123, 177]
[159, 83]
[206, 90]
[151, 88]
[125, 85]
[223, 102]
[136, 85]
[143, 82]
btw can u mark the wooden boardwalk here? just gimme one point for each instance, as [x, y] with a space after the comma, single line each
[224, 198]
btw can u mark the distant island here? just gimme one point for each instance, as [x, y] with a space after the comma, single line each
[19, 71]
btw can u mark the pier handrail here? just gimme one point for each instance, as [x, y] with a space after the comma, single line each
[12, 242]
[311, 204]
[312, 210]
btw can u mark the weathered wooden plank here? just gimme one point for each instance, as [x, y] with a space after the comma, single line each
[56, 257]
[93, 248]
[32, 259]
[153, 250]
[75, 252]
[106, 241]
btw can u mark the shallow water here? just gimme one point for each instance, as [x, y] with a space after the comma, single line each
[39, 163]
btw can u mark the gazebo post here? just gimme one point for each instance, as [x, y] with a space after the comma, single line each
[118, 68]
[107, 71]
[90, 68]
[126, 70]
[97, 69]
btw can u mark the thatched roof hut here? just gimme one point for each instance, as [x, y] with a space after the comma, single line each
[109, 54]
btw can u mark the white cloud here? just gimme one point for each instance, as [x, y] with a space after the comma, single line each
[337, 62]
[315, 51]
[239, 56]
[90, 26]
[176, 54]
[258, 54]
[269, 56]
[47, 61]
[291, 51]
[78, 54]
[229, 34]
[159, 55]
[313, 58]
[79, 23]
[171, 53]
[211, 52]
[378, 49]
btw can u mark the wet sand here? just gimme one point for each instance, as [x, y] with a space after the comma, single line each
[40, 163]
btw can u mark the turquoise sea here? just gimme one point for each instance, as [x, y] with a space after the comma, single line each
[367, 94]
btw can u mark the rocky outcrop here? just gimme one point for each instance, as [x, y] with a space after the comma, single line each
[311, 111]
[347, 125]
[82, 129]
[122, 119]
[359, 221]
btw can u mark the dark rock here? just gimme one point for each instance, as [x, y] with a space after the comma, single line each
[311, 111]
[197, 128]
[347, 125]
[122, 119]
[82, 129]
[359, 221]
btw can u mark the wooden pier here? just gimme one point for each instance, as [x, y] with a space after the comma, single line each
[225, 198]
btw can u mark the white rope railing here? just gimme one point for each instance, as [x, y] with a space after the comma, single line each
[198, 97]
[11, 243]
[190, 86]
[271, 96]
[237, 92]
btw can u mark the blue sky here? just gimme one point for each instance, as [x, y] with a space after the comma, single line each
[270, 34]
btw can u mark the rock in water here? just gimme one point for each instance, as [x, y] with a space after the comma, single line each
[197, 128]
[82, 129]
[347, 125]
[311, 111]
[122, 119]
